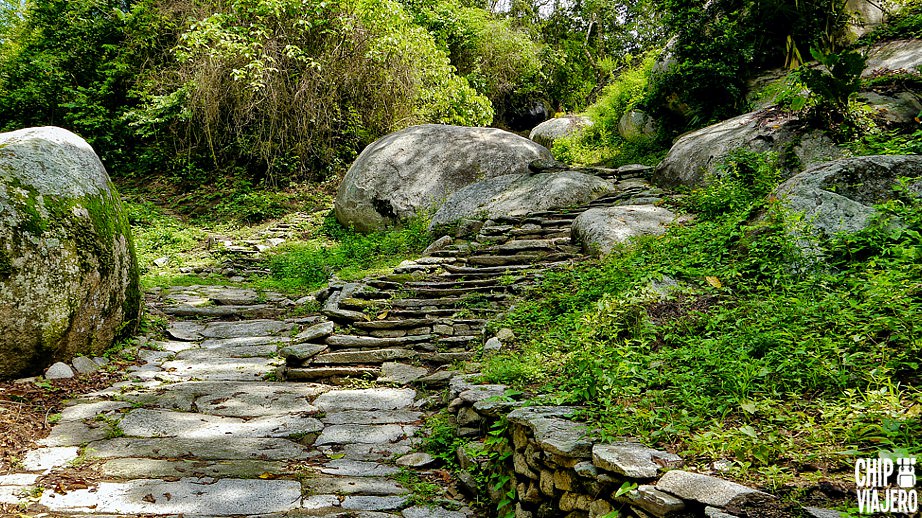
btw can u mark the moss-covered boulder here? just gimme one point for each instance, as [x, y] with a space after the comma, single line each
[68, 271]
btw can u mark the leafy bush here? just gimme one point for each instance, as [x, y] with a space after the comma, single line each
[346, 253]
[718, 45]
[289, 88]
[601, 143]
[498, 60]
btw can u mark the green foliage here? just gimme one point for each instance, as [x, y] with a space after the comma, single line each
[756, 353]
[290, 88]
[500, 61]
[440, 439]
[887, 143]
[601, 142]
[719, 44]
[905, 24]
[345, 252]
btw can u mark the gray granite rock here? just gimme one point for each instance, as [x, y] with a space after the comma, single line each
[225, 448]
[315, 332]
[632, 460]
[598, 230]
[246, 328]
[84, 365]
[365, 399]
[701, 488]
[553, 432]
[301, 352]
[393, 372]
[363, 434]
[356, 468]
[59, 370]
[416, 460]
[650, 499]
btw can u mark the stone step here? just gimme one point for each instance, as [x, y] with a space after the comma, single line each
[423, 313]
[436, 284]
[254, 311]
[448, 292]
[323, 373]
[458, 340]
[506, 260]
[540, 233]
[406, 323]
[449, 301]
[361, 357]
[496, 270]
[445, 358]
[369, 342]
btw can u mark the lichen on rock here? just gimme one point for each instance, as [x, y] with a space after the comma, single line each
[68, 271]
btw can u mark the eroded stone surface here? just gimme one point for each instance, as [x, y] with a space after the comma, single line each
[189, 496]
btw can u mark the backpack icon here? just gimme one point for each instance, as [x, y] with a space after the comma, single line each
[906, 477]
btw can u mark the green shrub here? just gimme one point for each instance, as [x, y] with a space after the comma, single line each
[289, 88]
[346, 253]
[719, 45]
[601, 143]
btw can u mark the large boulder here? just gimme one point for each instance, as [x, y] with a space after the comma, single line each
[839, 196]
[598, 230]
[517, 195]
[550, 130]
[697, 154]
[68, 272]
[894, 56]
[415, 170]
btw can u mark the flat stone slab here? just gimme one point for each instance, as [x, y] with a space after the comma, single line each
[225, 448]
[315, 332]
[369, 452]
[301, 352]
[364, 434]
[165, 423]
[81, 411]
[225, 369]
[233, 399]
[44, 459]
[75, 433]
[186, 331]
[218, 343]
[356, 468]
[431, 512]
[372, 417]
[372, 486]
[701, 488]
[373, 503]
[246, 328]
[135, 468]
[632, 460]
[393, 372]
[361, 357]
[365, 399]
[189, 496]
[241, 351]
[553, 432]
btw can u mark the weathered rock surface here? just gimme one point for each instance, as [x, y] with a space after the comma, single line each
[894, 55]
[701, 488]
[517, 195]
[599, 230]
[550, 130]
[68, 272]
[636, 125]
[697, 154]
[414, 170]
[839, 196]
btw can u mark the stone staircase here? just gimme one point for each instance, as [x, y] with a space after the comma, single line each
[412, 324]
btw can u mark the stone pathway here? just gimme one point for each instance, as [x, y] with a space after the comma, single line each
[206, 427]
